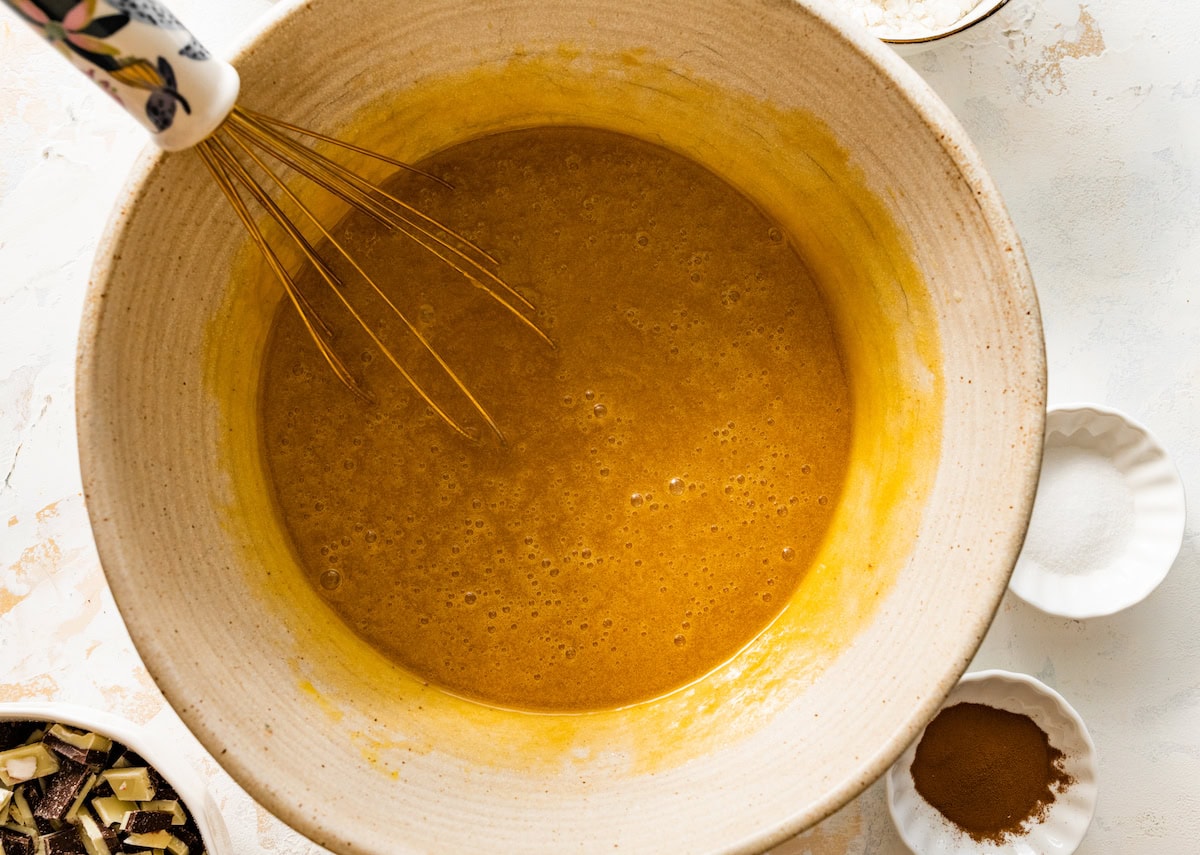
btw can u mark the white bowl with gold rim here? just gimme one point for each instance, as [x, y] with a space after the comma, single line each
[931, 298]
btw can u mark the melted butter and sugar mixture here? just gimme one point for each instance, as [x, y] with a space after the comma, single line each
[671, 467]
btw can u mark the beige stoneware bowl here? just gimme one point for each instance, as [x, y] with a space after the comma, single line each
[882, 195]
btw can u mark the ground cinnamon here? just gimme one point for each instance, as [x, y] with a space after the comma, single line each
[989, 771]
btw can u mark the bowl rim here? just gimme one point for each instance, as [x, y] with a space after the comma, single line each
[164, 757]
[910, 89]
[953, 30]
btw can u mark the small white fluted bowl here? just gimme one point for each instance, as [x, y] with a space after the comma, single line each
[1143, 554]
[162, 755]
[925, 831]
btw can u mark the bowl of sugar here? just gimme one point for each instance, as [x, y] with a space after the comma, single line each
[1108, 518]
[912, 26]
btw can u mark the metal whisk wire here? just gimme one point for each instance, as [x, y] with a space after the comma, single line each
[250, 134]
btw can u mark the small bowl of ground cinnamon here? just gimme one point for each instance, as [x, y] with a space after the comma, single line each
[1006, 766]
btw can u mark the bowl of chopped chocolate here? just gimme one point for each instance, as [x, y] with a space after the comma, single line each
[1006, 766]
[76, 780]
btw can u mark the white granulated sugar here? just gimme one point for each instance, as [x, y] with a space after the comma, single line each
[1083, 513]
[907, 19]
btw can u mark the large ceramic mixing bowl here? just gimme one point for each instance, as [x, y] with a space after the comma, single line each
[883, 197]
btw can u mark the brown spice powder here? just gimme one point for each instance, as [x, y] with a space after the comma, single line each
[988, 771]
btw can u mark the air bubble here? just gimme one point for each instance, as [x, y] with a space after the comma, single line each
[822, 500]
[330, 580]
[788, 553]
[775, 235]
[469, 598]
[637, 500]
[676, 486]
[600, 411]
[680, 641]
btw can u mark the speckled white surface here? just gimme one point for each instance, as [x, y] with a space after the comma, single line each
[1088, 117]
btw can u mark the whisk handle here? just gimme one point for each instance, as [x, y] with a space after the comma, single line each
[139, 53]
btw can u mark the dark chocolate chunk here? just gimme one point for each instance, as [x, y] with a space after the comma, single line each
[64, 786]
[131, 758]
[34, 797]
[16, 843]
[65, 842]
[102, 789]
[162, 790]
[114, 754]
[189, 835]
[14, 733]
[144, 821]
[95, 759]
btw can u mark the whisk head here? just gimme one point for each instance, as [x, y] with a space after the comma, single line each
[244, 155]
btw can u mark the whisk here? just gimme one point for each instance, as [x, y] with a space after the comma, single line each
[140, 53]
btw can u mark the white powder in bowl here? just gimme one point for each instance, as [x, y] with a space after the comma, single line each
[1083, 513]
[907, 19]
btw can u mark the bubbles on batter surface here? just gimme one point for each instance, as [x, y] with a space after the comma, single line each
[331, 580]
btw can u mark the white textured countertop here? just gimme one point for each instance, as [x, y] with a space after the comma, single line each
[1088, 117]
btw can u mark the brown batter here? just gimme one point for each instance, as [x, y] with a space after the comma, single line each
[672, 466]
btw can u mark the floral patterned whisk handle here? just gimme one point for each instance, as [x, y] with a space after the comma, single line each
[141, 55]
